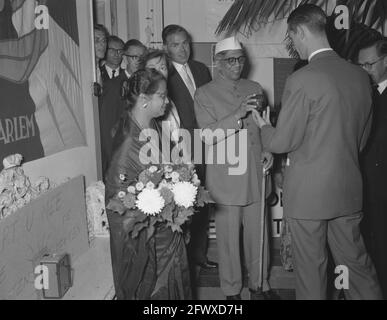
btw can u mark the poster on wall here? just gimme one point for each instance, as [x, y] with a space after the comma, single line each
[215, 11]
[41, 106]
[276, 212]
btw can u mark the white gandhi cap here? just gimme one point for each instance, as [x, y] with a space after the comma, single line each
[231, 43]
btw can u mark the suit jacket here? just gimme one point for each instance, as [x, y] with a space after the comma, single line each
[105, 76]
[324, 122]
[215, 104]
[111, 107]
[375, 154]
[181, 96]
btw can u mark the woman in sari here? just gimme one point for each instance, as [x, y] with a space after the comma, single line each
[143, 268]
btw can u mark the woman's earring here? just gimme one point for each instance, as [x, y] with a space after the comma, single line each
[144, 105]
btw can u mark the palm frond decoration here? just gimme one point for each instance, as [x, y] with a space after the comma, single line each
[247, 16]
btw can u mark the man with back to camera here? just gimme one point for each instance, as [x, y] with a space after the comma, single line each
[324, 122]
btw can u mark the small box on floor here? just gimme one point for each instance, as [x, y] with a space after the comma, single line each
[59, 275]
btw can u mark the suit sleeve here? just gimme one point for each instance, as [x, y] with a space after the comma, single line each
[206, 118]
[367, 131]
[292, 121]
[208, 74]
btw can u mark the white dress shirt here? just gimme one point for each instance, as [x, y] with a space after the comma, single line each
[382, 86]
[180, 70]
[173, 120]
[110, 71]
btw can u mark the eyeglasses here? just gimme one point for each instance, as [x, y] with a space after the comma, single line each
[100, 40]
[120, 52]
[368, 65]
[232, 60]
[133, 57]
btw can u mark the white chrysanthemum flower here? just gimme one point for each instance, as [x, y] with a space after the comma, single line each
[168, 175]
[168, 168]
[150, 202]
[164, 184]
[150, 185]
[153, 169]
[122, 177]
[121, 194]
[131, 189]
[175, 177]
[139, 186]
[184, 194]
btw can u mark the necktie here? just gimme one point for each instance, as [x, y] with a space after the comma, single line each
[113, 74]
[188, 81]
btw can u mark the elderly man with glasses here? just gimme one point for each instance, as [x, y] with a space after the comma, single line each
[373, 58]
[225, 105]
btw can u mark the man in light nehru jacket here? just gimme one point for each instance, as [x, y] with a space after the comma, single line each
[226, 103]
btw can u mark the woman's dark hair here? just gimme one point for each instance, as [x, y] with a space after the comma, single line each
[155, 53]
[144, 81]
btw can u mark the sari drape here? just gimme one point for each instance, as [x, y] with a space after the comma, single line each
[143, 269]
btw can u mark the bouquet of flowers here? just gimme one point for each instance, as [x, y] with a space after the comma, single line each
[161, 194]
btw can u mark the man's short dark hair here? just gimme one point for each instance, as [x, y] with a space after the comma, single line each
[309, 15]
[380, 46]
[102, 28]
[173, 29]
[115, 39]
[133, 43]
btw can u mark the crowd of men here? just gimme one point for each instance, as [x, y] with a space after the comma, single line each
[332, 126]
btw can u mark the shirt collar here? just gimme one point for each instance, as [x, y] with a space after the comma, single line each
[382, 86]
[110, 70]
[317, 52]
[178, 66]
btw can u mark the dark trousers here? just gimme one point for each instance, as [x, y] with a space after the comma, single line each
[374, 229]
[197, 247]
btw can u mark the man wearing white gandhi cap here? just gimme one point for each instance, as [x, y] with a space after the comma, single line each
[223, 104]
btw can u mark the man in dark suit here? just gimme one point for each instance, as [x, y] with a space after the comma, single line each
[112, 65]
[186, 75]
[323, 124]
[110, 103]
[373, 58]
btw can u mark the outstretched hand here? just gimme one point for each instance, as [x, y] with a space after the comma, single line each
[262, 120]
[247, 105]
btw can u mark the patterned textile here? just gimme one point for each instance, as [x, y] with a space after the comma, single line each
[286, 248]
